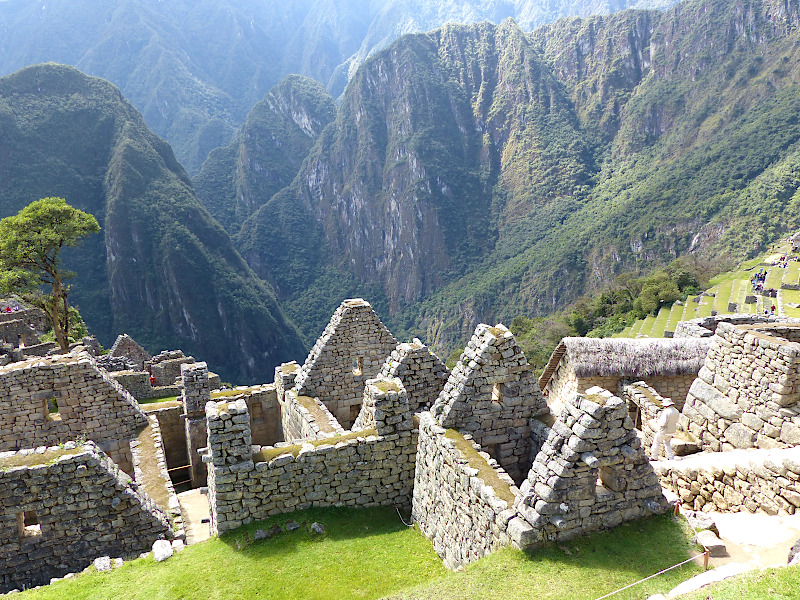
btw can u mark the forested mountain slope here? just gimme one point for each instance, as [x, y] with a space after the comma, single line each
[195, 68]
[162, 269]
[264, 158]
[478, 172]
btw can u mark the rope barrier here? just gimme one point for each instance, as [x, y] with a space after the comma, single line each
[401, 518]
[661, 572]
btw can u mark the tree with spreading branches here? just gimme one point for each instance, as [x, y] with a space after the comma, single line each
[30, 257]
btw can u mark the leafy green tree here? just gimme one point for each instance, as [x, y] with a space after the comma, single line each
[30, 248]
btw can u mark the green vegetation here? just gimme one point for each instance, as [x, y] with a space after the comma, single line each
[386, 555]
[769, 584]
[164, 271]
[30, 257]
[269, 452]
[393, 561]
[485, 470]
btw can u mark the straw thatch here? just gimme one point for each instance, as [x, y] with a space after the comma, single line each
[624, 357]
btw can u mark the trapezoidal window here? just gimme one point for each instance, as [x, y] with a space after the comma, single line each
[50, 409]
[28, 526]
[358, 366]
[497, 393]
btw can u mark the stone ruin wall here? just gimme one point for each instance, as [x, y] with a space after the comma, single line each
[126, 347]
[422, 372]
[34, 317]
[84, 506]
[136, 382]
[746, 395]
[591, 472]
[91, 405]
[173, 435]
[645, 400]
[351, 350]
[305, 418]
[707, 326]
[492, 395]
[373, 469]
[14, 331]
[464, 516]
[565, 383]
[766, 481]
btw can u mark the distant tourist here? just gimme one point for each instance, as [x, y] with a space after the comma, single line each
[666, 426]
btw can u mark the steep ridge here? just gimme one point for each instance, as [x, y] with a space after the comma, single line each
[195, 68]
[266, 155]
[437, 140]
[162, 269]
[477, 172]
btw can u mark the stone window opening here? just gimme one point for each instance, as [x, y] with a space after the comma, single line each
[497, 393]
[28, 526]
[609, 482]
[51, 410]
[358, 366]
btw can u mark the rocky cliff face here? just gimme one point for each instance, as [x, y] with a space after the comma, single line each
[194, 68]
[476, 172]
[264, 158]
[162, 269]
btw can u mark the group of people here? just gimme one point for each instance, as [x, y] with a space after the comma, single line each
[10, 309]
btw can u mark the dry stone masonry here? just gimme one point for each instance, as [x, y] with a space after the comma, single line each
[591, 473]
[374, 467]
[47, 401]
[766, 481]
[492, 395]
[351, 350]
[746, 395]
[61, 507]
[422, 372]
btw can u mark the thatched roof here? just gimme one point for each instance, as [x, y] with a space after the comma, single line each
[625, 357]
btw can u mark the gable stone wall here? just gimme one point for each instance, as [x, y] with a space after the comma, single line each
[491, 395]
[422, 372]
[351, 350]
[91, 405]
[62, 507]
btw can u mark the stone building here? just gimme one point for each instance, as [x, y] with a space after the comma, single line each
[577, 364]
[351, 350]
[747, 395]
[48, 401]
[61, 507]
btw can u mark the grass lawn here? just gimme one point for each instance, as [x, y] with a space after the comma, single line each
[582, 569]
[369, 553]
[365, 553]
[770, 584]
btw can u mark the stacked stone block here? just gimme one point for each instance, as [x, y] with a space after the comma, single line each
[766, 481]
[125, 347]
[352, 349]
[455, 508]
[707, 326]
[167, 370]
[79, 506]
[376, 469]
[265, 415]
[90, 404]
[173, 434]
[746, 395]
[492, 395]
[136, 382]
[306, 418]
[33, 317]
[591, 472]
[422, 372]
[285, 376]
[195, 392]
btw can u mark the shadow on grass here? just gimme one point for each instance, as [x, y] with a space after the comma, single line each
[341, 523]
[641, 547]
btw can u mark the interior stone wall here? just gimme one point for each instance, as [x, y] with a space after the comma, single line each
[61, 508]
[91, 405]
